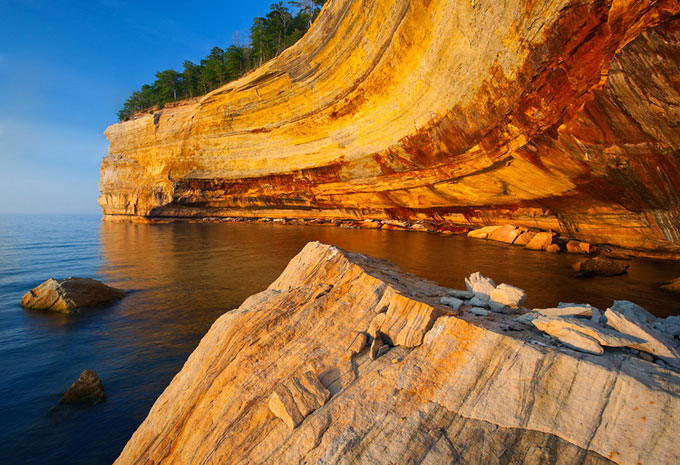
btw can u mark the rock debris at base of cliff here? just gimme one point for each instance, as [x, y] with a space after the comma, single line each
[292, 376]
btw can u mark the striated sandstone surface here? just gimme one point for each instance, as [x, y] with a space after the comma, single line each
[559, 114]
[472, 390]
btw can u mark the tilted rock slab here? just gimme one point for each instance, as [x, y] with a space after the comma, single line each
[653, 341]
[470, 393]
[580, 333]
[473, 112]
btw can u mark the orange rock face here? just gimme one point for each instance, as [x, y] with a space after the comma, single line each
[564, 115]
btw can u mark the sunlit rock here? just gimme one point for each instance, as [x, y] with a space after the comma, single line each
[540, 241]
[70, 295]
[471, 392]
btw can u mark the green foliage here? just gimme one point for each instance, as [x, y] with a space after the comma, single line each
[269, 36]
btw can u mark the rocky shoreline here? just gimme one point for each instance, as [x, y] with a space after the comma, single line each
[346, 359]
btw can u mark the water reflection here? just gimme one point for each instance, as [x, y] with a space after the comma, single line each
[189, 271]
[182, 277]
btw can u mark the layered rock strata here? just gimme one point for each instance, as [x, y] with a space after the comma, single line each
[560, 114]
[448, 387]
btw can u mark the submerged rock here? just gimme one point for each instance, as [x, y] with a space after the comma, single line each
[473, 390]
[600, 266]
[87, 388]
[673, 286]
[70, 295]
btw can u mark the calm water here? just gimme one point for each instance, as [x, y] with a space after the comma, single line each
[182, 277]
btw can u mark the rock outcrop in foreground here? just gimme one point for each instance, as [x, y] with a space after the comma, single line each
[562, 115]
[345, 359]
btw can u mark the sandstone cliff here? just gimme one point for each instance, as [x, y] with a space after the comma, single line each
[561, 114]
[448, 386]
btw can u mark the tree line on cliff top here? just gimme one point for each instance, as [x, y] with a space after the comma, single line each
[269, 36]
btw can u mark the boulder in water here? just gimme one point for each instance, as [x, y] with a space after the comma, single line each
[600, 266]
[88, 388]
[70, 295]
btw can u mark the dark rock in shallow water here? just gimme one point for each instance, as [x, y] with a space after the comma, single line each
[69, 295]
[600, 266]
[88, 388]
[673, 286]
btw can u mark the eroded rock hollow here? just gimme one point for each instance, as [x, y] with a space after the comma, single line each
[561, 114]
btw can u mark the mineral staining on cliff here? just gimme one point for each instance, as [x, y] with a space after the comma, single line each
[289, 377]
[561, 115]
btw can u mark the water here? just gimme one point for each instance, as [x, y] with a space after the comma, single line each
[181, 278]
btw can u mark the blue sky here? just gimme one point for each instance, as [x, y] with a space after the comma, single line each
[66, 67]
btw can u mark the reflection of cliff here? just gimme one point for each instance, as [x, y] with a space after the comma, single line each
[163, 262]
[562, 114]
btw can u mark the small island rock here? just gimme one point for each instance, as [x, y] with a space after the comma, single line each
[69, 295]
[88, 388]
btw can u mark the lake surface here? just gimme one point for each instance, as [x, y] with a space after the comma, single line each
[182, 277]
